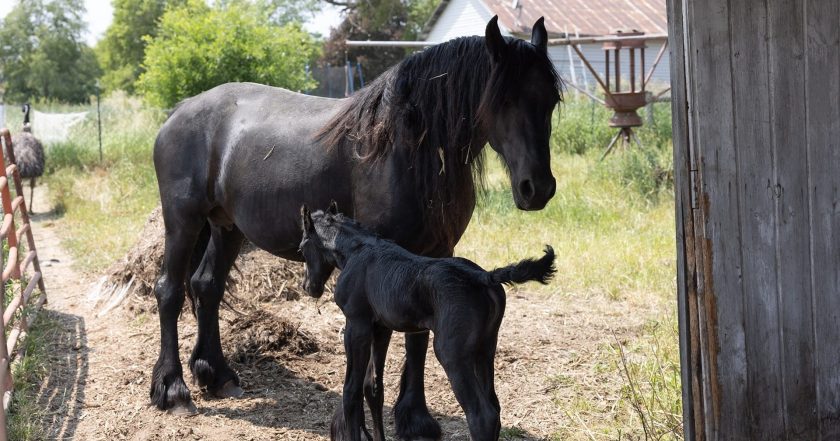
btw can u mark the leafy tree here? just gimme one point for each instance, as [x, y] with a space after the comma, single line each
[199, 47]
[42, 54]
[120, 52]
[376, 20]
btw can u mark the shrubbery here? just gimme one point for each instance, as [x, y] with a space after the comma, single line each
[198, 47]
[580, 127]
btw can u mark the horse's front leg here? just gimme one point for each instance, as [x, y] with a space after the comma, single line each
[412, 418]
[207, 362]
[168, 390]
[358, 336]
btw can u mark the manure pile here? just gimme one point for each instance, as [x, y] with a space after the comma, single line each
[256, 277]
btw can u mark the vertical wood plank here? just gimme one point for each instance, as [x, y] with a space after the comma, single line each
[822, 18]
[686, 266]
[787, 81]
[721, 302]
[757, 221]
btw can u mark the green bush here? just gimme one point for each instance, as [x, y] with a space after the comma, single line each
[580, 125]
[648, 169]
[199, 47]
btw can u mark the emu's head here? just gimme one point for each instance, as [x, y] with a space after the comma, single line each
[318, 246]
[25, 109]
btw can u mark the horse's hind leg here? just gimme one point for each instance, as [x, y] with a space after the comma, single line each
[461, 366]
[411, 416]
[168, 390]
[207, 362]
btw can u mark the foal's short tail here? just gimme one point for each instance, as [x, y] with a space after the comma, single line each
[539, 270]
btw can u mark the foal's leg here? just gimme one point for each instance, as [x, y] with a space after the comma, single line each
[207, 362]
[459, 363]
[168, 390]
[411, 415]
[485, 369]
[374, 387]
[358, 336]
[486, 356]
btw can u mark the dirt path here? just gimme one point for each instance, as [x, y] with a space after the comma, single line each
[97, 384]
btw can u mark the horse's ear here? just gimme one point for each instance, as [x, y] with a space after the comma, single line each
[539, 36]
[493, 39]
[306, 219]
[333, 208]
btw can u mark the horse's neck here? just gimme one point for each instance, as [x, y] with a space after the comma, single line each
[348, 246]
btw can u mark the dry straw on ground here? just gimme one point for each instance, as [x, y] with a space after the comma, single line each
[259, 275]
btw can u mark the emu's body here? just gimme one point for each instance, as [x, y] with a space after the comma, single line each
[384, 288]
[29, 154]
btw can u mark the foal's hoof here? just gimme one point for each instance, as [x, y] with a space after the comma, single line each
[183, 409]
[230, 390]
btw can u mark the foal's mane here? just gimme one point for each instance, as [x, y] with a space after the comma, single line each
[432, 107]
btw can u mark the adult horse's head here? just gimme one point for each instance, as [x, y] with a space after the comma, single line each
[516, 109]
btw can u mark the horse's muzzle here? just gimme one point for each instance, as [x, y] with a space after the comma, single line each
[315, 290]
[531, 195]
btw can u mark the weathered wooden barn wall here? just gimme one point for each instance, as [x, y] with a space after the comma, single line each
[756, 104]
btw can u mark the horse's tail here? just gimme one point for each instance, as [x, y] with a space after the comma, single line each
[539, 270]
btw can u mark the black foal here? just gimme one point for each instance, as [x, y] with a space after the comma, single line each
[384, 288]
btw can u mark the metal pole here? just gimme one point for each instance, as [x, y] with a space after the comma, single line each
[99, 122]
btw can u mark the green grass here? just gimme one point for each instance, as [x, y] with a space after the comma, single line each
[104, 203]
[24, 420]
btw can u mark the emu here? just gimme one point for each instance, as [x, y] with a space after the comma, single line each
[29, 154]
[384, 288]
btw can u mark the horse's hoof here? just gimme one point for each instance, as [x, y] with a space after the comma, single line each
[230, 390]
[183, 410]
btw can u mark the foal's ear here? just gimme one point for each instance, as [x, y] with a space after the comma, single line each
[306, 219]
[333, 208]
[493, 39]
[539, 36]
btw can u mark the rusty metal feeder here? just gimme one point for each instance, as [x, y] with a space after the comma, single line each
[624, 98]
[624, 102]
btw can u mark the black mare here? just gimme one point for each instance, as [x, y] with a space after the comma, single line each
[384, 288]
[402, 155]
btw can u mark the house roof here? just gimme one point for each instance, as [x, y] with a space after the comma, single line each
[585, 17]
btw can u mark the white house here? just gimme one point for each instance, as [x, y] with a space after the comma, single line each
[573, 18]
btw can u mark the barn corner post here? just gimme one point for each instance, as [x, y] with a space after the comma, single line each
[683, 207]
[756, 119]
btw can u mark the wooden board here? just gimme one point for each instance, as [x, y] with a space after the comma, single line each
[822, 94]
[686, 264]
[757, 114]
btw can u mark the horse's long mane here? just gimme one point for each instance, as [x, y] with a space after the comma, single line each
[432, 106]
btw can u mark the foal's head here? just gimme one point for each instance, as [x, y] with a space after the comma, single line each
[320, 231]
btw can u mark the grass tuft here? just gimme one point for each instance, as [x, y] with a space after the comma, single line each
[25, 413]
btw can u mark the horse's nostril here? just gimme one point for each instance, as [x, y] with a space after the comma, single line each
[526, 189]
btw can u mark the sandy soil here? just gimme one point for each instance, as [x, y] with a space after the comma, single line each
[290, 358]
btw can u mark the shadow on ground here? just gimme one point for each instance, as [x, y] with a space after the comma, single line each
[281, 398]
[62, 393]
